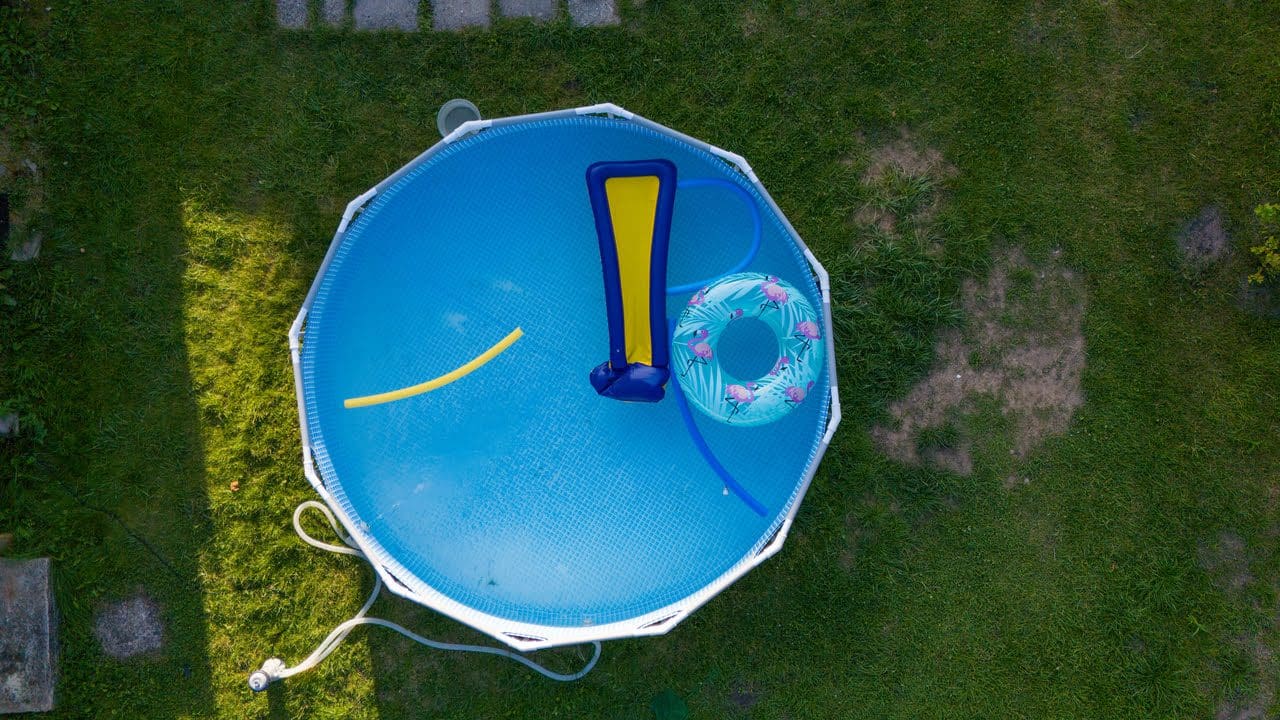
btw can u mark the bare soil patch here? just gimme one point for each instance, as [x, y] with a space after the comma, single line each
[872, 216]
[1227, 562]
[743, 696]
[751, 22]
[1203, 239]
[1021, 345]
[1254, 707]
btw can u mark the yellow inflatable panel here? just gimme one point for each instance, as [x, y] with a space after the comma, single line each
[633, 206]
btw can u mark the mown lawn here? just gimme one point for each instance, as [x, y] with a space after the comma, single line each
[194, 163]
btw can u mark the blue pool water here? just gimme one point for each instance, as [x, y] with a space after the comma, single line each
[517, 491]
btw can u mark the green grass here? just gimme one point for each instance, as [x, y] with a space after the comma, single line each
[201, 159]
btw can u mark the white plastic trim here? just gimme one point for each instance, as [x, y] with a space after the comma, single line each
[740, 162]
[732, 158]
[294, 348]
[779, 539]
[295, 331]
[354, 206]
[606, 109]
[529, 636]
[466, 128]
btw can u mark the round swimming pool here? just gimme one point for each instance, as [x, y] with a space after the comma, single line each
[516, 498]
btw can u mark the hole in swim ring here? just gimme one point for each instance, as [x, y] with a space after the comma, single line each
[747, 348]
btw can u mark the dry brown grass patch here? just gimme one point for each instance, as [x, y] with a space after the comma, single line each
[1227, 560]
[907, 157]
[901, 181]
[1021, 345]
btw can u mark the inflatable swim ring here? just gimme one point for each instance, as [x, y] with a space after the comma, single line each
[695, 349]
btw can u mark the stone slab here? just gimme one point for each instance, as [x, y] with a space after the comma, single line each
[28, 646]
[291, 14]
[130, 627]
[386, 15]
[459, 14]
[594, 13]
[536, 9]
[334, 12]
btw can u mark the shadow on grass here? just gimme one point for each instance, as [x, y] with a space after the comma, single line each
[116, 492]
[278, 702]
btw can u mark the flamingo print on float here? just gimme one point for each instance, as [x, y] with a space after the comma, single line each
[775, 297]
[700, 349]
[696, 301]
[796, 394]
[738, 396]
[806, 331]
[780, 365]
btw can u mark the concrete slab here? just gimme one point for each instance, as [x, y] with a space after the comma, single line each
[536, 9]
[28, 647]
[594, 13]
[459, 14]
[291, 14]
[130, 627]
[386, 15]
[334, 12]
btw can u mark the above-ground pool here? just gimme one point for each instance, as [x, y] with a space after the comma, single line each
[517, 497]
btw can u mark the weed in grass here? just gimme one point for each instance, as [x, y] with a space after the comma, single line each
[943, 447]
[1267, 251]
[896, 197]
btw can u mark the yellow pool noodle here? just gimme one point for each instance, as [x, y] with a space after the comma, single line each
[433, 384]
